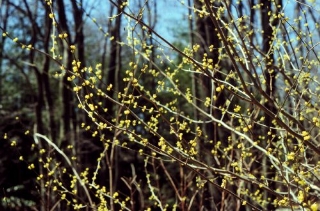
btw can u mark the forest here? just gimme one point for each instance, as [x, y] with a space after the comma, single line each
[159, 105]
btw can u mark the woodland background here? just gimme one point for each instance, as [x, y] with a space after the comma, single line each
[117, 105]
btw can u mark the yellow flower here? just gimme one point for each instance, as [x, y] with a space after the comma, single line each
[314, 207]
[72, 48]
[306, 135]
[291, 156]
[300, 196]
[237, 108]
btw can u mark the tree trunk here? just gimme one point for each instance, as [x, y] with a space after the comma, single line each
[46, 81]
[270, 76]
[113, 78]
[207, 36]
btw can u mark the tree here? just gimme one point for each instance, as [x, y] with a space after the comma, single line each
[228, 121]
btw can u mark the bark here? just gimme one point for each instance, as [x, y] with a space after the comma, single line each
[46, 81]
[113, 78]
[40, 97]
[270, 76]
[207, 36]
[67, 130]
[80, 43]
[4, 23]
[80, 116]
[67, 61]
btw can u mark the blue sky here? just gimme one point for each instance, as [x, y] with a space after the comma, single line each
[172, 16]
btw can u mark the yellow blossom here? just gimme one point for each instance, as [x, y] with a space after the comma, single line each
[291, 156]
[314, 207]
